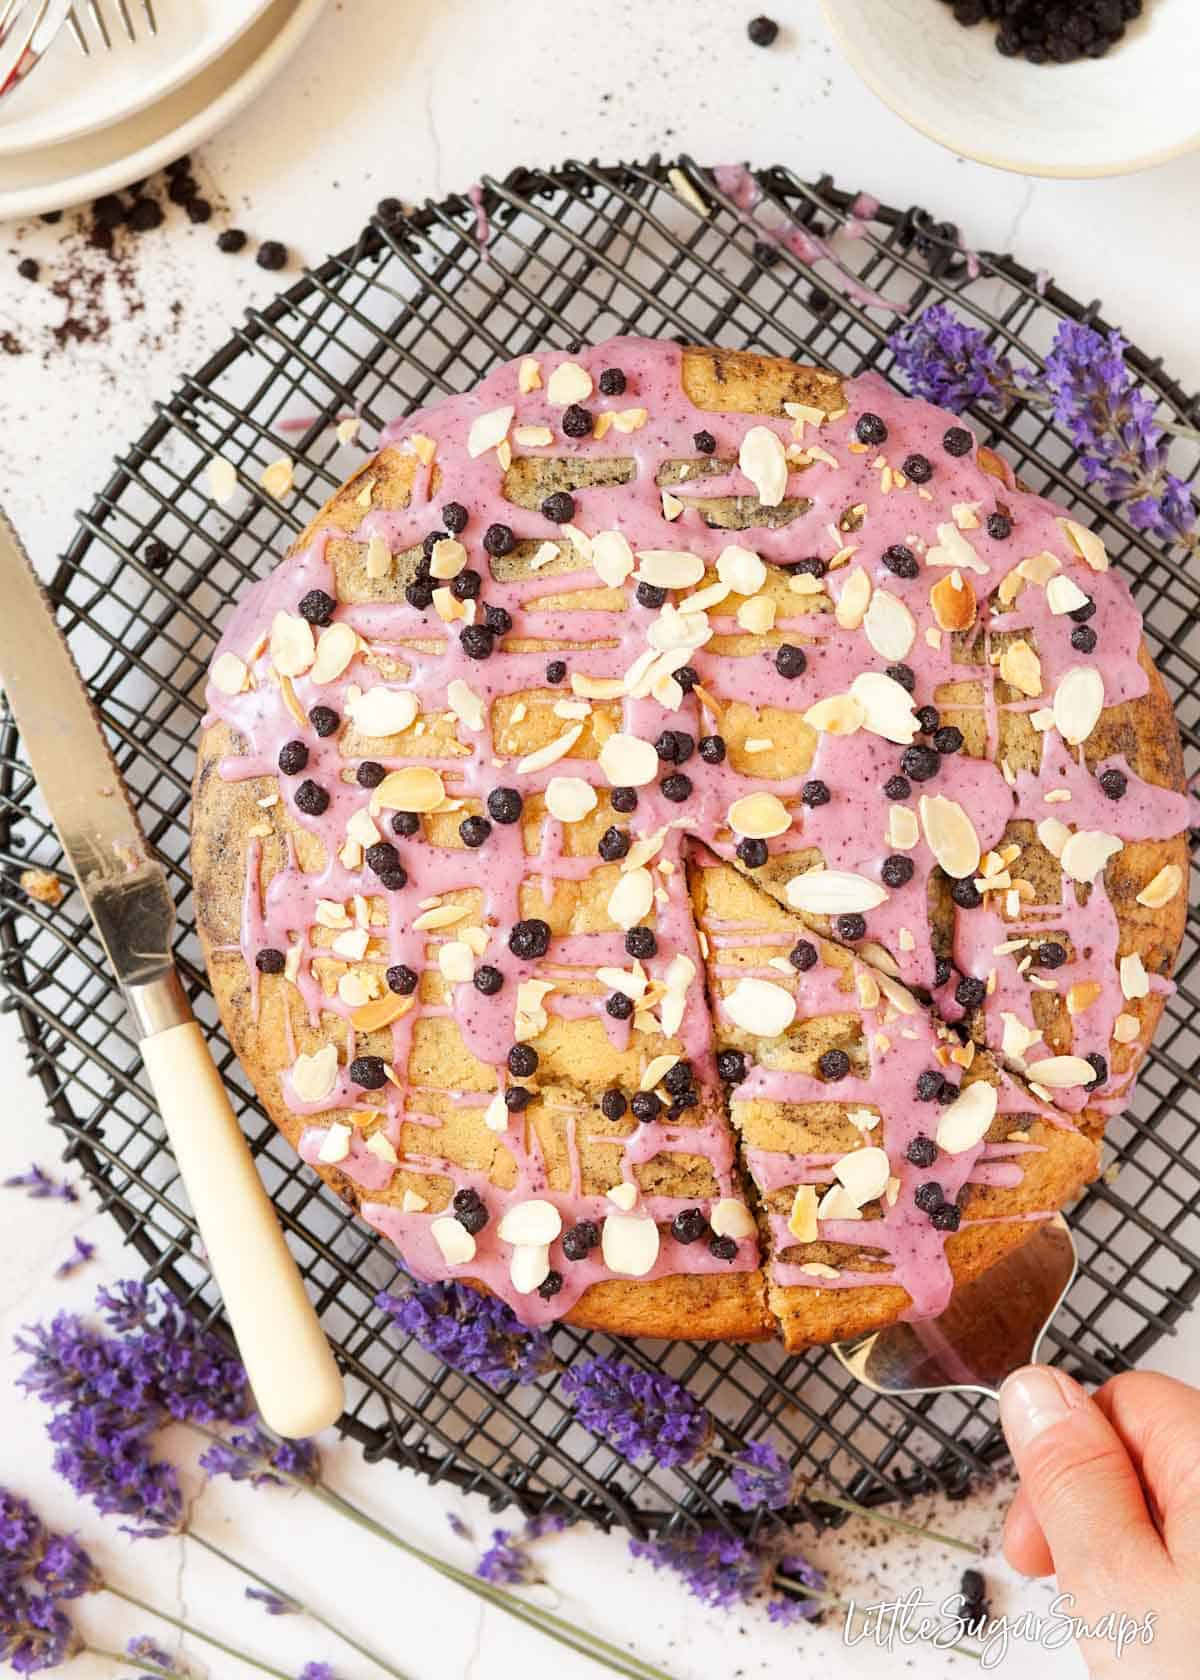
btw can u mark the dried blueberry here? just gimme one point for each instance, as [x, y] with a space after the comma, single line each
[965, 893]
[576, 422]
[970, 992]
[619, 1006]
[999, 526]
[522, 1060]
[900, 559]
[623, 799]
[947, 739]
[406, 823]
[904, 675]
[1084, 639]
[368, 1071]
[790, 661]
[311, 799]
[293, 757]
[498, 540]
[922, 1151]
[454, 518]
[677, 788]
[579, 1240]
[928, 1196]
[271, 255]
[465, 586]
[753, 853]
[723, 1248]
[957, 441]
[928, 719]
[918, 468]
[1050, 954]
[763, 31]
[689, 1225]
[559, 507]
[488, 980]
[530, 939]
[947, 1217]
[1114, 783]
[317, 607]
[474, 831]
[897, 871]
[678, 1079]
[614, 845]
[803, 955]
[920, 763]
[556, 671]
[419, 594]
[369, 773]
[870, 429]
[834, 1064]
[324, 720]
[851, 926]
[517, 1098]
[731, 1067]
[1099, 1067]
[505, 805]
[269, 960]
[712, 749]
[644, 1105]
[477, 641]
[402, 980]
[613, 1105]
[897, 787]
[641, 942]
[705, 443]
[929, 1085]
[815, 792]
[650, 595]
[611, 383]
[550, 1285]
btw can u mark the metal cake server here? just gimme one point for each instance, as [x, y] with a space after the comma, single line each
[991, 1328]
[291, 1367]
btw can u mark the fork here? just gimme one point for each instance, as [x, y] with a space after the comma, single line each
[35, 32]
[95, 10]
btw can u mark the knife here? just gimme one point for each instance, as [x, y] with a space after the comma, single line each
[291, 1368]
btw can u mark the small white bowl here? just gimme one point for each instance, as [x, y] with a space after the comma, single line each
[1108, 116]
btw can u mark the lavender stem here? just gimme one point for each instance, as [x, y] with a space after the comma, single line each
[186, 1627]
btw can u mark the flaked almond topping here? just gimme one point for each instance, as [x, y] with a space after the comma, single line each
[838, 1203]
[1087, 852]
[902, 830]
[612, 558]
[1086, 544]
[330, 914]
[314, 1076]
[710, 596]
[447, 558]
[656, 1070]
[1020, 666]
[759, 816]
[889, 626]
[953, 602]
[629, 1244]
[363, 499]
[222, 478]
[1063, 595]
[292, 647]
[1162, 888]
[852, 603]
[466, 705]
[953, 549]
[628, 761]
[534, 1222]
[840, 714]
[424, 448]
[741, 570]
[802, 1221]
[440, 916]
[569, 798]
[456, 960]
[415, 788]
[1057, 796]
[229, 674]
[760, 1007]
[551, 752]
[569, 383]
[1135, 982]
[950, 834]
[383, 711]
[529, 375]
[623, 1195]
[863, 1119]
[758, 743]
[531, 1017]
[379, 1145]
[729, 1217]
[379, 558]
[628, 419]
[347, 430]
[668, 568]
[411, 1201]
[1017, 1036]
[672, 507]
[357, 987]
[764, 463]
[886, 706]
[834, 892]
[673, 630]
[448, 608]
[336, 647]
[966, 515]
[757, 616]
[336, 1146]
[1082, 995]
[863, 1173]
[818, 1268]
[1062, 1073]
[456, 1243]
[572, 710]
[532, 437]
[1078, 702]
[381, 1012]
[488, 430]
[546, 552]
[1125, 1029]
[867, 987]
[630, 900]
[803, 583]
[965, 1122]
[276, 479]
[352, 944]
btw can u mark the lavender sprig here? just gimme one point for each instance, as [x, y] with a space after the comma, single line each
[254, 1456]
[505, 1561]
[725, 1570]
[950, 363]
[82, 1252]
[472, 1333]
[35, 1634]
[40, 1186]
[761, 1477]
[643, 1414]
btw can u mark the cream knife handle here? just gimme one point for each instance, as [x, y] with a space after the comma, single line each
[292, 1371]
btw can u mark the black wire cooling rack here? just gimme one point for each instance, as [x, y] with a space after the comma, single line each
[419, 307]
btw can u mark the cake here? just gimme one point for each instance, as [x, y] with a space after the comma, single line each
[686, 843]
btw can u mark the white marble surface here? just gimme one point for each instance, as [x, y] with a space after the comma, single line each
[392, 97]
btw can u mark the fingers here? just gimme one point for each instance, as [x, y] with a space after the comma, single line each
[1024, 1543]
[1080, 1485]
[1158, 1419]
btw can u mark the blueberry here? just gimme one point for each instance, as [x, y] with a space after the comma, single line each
[705, 443]
[897, 871]
[687, 678]
[623, 800]
[928, 1196]
[650, 595]
[851, 926]
[870, 429]
[498, 540]
[901, 560]
[1114, 783]
[311, 799]
[810, 566]
[145, 215]
[529, 939]
[505, 805]
[402, 979]
[920, 763]
[293, 757]
[918, 468]
[765, 254]
[1083, 639]
[834, 1064]
[393, 880]
[419, 594]
[803, 955]
[156, 555]
[369, 773]
[454, 518]
[619, 1006]
[731, 1067]
[469, 1210]
[957, 441]
[946, 1217]
[922, 1151]
[753, 853]
[614, 845]
[477, 641]
[641, 942]
[762, 31]
[689, 1225]
[942, 970]
[678, 1079]
[644, 1105]
[999, 526]
[406, 823]
[550, 1285]
[904, 675]
[474, 831]
[669, 746]
[897, 787]
[324, 720]
[517, 1098]
[368, 1072]
[381, 857]
[199, 210]
[723, 1248]
[928, 719]
[965, 893]
[576, 422]
[269, 960]
[1050, 954]
[488, 980]
[929, 1085]
[970, 992]
[1080, 615]
[559, 507]
[612, 383]
[790, 661]
[1099, 1067]
[947, 739]
[466, 585]
[613, 1105]
[677, 788]
[815, 792]
[271, 255]
[712, 749]
[522, 1060]
[579, 1240]
[556, 671]
[317, 607]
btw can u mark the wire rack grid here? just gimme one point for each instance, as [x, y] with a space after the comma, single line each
[423, 305]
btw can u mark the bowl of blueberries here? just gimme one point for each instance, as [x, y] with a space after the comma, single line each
[1043, 87]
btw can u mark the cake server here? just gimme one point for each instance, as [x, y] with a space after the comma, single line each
[991, 1328]
[291, 1367]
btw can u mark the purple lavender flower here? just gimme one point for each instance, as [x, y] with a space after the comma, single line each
[472, 1333]
[144, 1649]
[760, 1476]
[458, 1526]
[41, 1186]
[643, 1414]
[1111, 422]
[22, 1538]
[254, 1456]
[66, 1570]
[950, 363]
[725, 1570]
[317, 1671]
[78, 1258]
[34, 1633]
[273, 1603]
[505, 1563]
[546, 1523]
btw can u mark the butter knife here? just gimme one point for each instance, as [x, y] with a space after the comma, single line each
[296, 1382]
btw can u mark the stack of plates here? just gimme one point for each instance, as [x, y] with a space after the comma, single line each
[81, 127]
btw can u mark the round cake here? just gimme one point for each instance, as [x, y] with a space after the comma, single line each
[686, 843]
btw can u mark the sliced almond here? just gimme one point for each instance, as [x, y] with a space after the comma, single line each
[953, 602]
[532, 437]
[535, 1222]
[336, 647]
[383, 711]
[1087, 852]
[730, 1217]
[529, 375]
[854, 599]
[887, 707]
[628, 761]
[1063, 595]
[1017, 1036]
[1162, 888]
[410, 1202]
[488, 430]
[623, 1196]
[1061, 1073]
[1078, 702]
[381, 1147]
[764, 463]
[953, 549]
[551, 752]
[1053, 835]
[818, 1268]
[229, 674]
[531, 1017]
[760, 1007]
[950, 834]
[336, 1145]
[455, 1241]
[456, 960]
[889, 626]
[838, 1203]
[292, 648]
[612, 558]
[1135, 983]
[569, 383]
[630, 900]
[741, 570]
[759, 816]
[965, 1122]
[840, 714]
[1020, 666]
[757, 616]
[802, 1221]
[1082, 995]
[1086, 544]
[314, 1076]
[381, 1012]
[439, 916]
[415, 788]
[902, 830]
[569, 798]
[668, 568]
[629, 1244]
[447, 558]
[222, 478]
[276, 479]
[466, 705]
[1125, 1028]
[863, 1173]
[834, 892]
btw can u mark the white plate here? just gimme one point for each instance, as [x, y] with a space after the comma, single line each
[1106, 116]
[69, 95]
[107, 161]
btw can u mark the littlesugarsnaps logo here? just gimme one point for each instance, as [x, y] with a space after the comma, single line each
[912, 1620]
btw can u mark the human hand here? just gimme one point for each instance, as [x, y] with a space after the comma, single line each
[1110, 1503]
